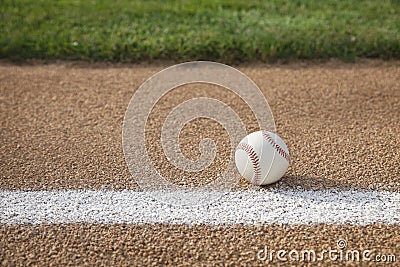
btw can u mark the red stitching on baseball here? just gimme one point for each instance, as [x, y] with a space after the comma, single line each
[280, 150]
[254, 160]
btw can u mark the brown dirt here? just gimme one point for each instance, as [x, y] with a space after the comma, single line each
[172, 245]
[61, 128]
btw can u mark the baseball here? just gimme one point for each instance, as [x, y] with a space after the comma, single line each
[262, 157]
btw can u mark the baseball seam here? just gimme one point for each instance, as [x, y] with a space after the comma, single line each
[254, 160]
[278, 148]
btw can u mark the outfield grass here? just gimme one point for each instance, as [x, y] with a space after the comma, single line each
[227, 31]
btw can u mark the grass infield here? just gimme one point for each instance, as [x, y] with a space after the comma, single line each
[226, 31]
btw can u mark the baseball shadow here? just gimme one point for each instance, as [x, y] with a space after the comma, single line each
[318, 190]
[299, 182]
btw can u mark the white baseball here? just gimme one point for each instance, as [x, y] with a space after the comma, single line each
[262, 157]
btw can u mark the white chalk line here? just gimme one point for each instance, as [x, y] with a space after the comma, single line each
[283, 207]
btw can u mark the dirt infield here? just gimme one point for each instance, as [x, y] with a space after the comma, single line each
[61, 124]
[61, 128]
[158, 245]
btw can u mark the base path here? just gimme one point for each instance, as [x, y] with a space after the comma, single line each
[64, 182]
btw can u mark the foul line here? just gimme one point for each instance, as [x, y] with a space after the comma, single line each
[288, 207]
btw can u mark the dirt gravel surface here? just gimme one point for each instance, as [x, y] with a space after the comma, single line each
[172, 245]
[61, 128]
[62, 123]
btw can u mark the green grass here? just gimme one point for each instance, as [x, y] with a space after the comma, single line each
[227, 31]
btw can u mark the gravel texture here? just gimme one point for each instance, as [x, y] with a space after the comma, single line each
[61, 124]
[182, 245]
[61, 129]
